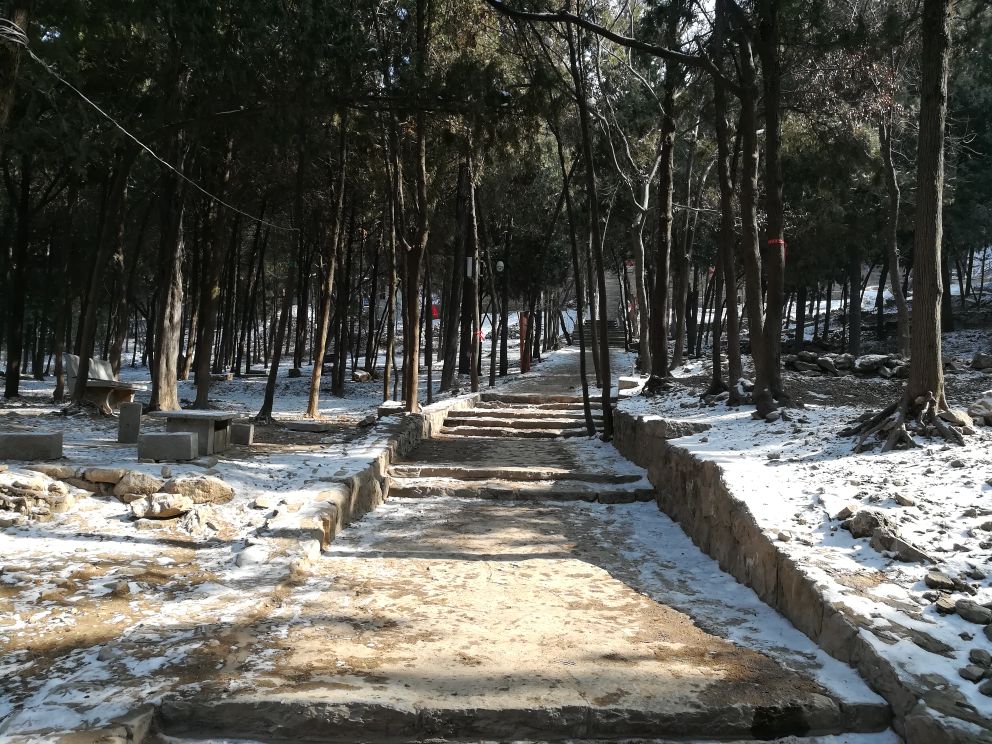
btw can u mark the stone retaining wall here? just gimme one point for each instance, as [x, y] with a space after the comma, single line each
[693, 492]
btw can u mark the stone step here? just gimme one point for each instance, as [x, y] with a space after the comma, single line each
[505, 490]
[510, 432]
[594, 403]
[533, 398]
[508, 473]
[319, 715]
[515, 422]
[524, 413]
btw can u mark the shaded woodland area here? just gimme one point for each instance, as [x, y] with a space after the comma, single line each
[329, 174]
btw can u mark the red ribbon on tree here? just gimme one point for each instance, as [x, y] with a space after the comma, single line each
[776, 241]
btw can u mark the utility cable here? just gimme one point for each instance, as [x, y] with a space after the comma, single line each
[10, 31]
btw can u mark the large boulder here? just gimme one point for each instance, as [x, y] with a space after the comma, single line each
[200, 489]
[981, 360]
[884, 536]
[870, 362]
[112, 476]
[161, 506]
[982, 408]
[134, 485]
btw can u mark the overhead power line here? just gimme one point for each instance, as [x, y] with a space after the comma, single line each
[11, 32]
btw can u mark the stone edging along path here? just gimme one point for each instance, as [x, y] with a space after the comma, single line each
[304, 533]
[693, 492]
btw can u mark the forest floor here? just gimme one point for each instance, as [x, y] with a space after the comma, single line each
[797, 477]
[516, 608]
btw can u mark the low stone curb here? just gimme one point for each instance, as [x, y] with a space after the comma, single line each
[303, 533]
[693, 492]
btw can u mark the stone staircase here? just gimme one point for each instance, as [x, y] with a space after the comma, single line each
[490, 452]
[616, 337]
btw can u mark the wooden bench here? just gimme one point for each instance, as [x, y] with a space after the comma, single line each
[212, 428]
[102, 389]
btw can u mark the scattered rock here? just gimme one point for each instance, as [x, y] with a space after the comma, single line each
[956, 417]
[253, 555]
[827, 365]
[295, 372]
[973, 612]
[904, 500]
[981, 657]
[986, 687]
[870, 362]
[784, 536]
[847, 512]
[166, 472]
[865, 522]
[957, 463]
[939, 580]
[368, 420]
[360, 375]
[266, 501]
[971, 673]
[774, 416]
[774, 455]
[61, 472]
[982, 408]
[207, 462]
[137, 483]
[945, 606]
[200, 519]
[161, 506]
[112, 476]
[981, 360]
[121, 589]
[200, 489]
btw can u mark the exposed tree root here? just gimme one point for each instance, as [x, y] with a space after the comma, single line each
[897, 423]
[656, 385]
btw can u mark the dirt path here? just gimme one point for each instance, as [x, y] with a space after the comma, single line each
[537, 601]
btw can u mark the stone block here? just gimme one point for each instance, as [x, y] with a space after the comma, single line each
[129, 423]
[176, 446]
[628, 383]
[390, 408]
[30, 446]
[243, 434]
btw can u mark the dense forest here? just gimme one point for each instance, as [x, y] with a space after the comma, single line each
[206, 188]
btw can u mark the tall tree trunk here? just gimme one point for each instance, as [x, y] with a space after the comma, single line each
[211, 266]
[774, 254]
[666, 193]
[332, 248]
[727, 236]
[750, 248]
[681, 279]
[885, 133]
[854, 304]
[592, 196]
[18, 11]
[453, 301]
[168, 320]
[17, 280]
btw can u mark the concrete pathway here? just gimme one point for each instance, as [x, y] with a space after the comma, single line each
[514, 588]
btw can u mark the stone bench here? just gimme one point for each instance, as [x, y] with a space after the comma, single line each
[176, 446]
[102, 389]
[30, 446]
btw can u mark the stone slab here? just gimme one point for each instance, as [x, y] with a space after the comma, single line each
[318, 427]
[170, 446]
[243, 434]
[129, 423]
[31, 446]
[390, 408]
